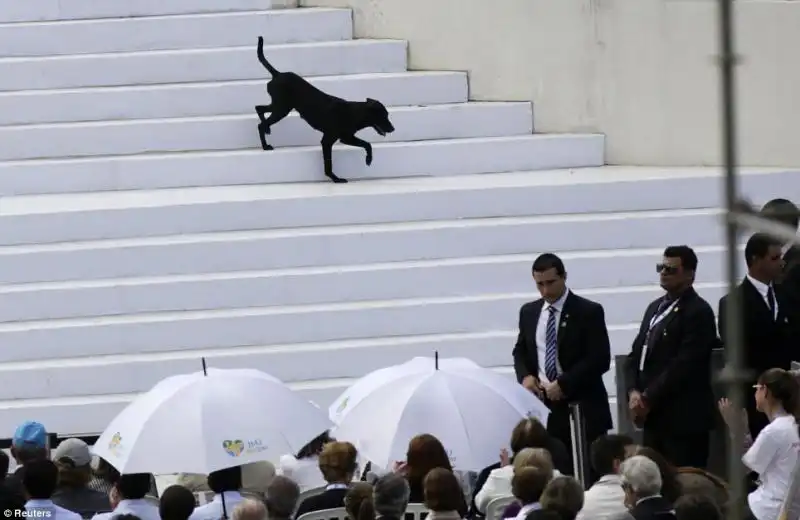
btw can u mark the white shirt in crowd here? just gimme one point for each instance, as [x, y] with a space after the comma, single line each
[763, 290]
[139, 507]
[498, 484]
[303, 471]
[213, 510]
[541, 333]
[774, 456]
[604, 500]
[527, 509]
[47, 509]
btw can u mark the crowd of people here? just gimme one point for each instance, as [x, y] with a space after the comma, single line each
[560, 355]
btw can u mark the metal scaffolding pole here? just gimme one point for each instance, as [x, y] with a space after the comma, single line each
[733, 374]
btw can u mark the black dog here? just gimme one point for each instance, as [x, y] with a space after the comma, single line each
[336, 118]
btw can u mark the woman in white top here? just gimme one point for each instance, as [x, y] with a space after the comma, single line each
[303, 468]
[498, 484]
[775, 452]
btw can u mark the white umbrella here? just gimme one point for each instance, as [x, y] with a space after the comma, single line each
[364, 386]
[470, 409]
[203, 422]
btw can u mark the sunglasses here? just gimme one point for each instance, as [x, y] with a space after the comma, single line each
[666, 269]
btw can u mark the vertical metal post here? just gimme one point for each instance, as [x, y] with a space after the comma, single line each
[733, 374]
[580, 457]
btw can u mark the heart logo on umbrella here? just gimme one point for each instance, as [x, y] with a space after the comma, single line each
[233, 448]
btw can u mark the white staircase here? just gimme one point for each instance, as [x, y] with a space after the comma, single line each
[105, 291]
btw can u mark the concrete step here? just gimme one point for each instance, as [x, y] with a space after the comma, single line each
[352, 245]
[150, 213]
[207, 30]
[349, 359]
[239, 132]
[416, 159]
[52, 10]
[193, 65]
[301, 286]
[219, 97]
[194, 330]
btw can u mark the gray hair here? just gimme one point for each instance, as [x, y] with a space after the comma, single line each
[642, 475]
[281, 496]
[390, 495]
[249, 509]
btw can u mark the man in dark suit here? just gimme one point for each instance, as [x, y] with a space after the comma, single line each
[562, 352]
[669, 368]
[786, 213]
[764, 317]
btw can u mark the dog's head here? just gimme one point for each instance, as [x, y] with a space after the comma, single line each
[378, 117]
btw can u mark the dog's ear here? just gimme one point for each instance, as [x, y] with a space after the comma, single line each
[372, 101]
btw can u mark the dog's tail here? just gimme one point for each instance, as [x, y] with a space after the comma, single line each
[267, 65]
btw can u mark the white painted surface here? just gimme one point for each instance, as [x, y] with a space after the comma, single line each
[196, 31]
[219, 97]
[191, 65]
[424, 158]
[352, 245]
[642, 72]
[129, 214]
[40, 10]
[238, 132]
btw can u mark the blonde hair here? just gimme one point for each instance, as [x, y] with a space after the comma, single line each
[538, 457]
[337, 461]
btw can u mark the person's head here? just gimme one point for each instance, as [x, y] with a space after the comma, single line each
[74, 461]
[133, 486]
[764, 257]
[528, 433]
[677, 269]
[248, 509]
[607, 453]
[29, 442]
[550, 276]
[359, 494]
[442, 490]
[337, 462]
[228, 479]
[39, 479]
[281, 497]
[176, 503]
[696, 507]
[425, 452]
[314, 446]
[565, 495]
[670, 485]
[782, 211]
[527, 484]
[539, 457]
[390, 495]
[640, 479]
[4, 464]
[105, 471]
[777, 391]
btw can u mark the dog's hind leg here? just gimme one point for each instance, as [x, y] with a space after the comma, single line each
[265, 124]
[327, 158]
[355, 141]
[262, 110]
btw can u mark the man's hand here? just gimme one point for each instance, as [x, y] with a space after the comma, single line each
[553, 391]
[531, 384]
[635, 400]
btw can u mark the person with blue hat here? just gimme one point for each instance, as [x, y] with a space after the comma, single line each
[30, 443]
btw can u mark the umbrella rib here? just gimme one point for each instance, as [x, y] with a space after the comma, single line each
[461, 418]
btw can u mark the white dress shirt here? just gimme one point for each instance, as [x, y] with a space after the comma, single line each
[213, 510]
[305, 472]
[47, 509]
[498, 484]
[541, 333]
[604, 500]
[139, 507]
[762, 289]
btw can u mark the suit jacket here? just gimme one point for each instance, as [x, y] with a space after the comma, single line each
[653, 508]
[766, 340]
[790, 286]
[676, 376]
[584, 353]
[328, 499]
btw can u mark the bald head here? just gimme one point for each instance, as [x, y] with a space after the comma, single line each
[250, 509]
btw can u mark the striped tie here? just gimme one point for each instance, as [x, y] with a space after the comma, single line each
[550, 346]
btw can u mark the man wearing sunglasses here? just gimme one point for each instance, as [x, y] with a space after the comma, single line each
[668, 371]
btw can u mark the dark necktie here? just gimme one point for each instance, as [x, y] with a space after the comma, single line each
[771, 301]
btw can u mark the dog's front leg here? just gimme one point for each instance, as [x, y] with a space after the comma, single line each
[262, 110]
[355, 141]
[327, 158]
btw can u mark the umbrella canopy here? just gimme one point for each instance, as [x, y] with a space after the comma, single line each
[206, 421]
[470, 409]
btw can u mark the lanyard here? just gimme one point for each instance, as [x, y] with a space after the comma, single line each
[658, 318]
